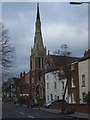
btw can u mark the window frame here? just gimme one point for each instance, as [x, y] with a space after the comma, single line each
[83, 80]
[55, 85]
[47, 85]
[73, 82]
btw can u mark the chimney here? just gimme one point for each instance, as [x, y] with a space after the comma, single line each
[24, 73]
[87, 53]
[20, 75]
[84, 53]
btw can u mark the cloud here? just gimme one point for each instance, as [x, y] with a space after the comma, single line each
[61, 24]
[43, 0]
[60, 33]
[0, 12]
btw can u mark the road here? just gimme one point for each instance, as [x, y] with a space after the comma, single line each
[15, 111]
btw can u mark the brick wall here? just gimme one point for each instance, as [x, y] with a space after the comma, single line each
[85, 108]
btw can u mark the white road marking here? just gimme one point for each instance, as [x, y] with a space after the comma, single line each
[21, 113]
[31, 116]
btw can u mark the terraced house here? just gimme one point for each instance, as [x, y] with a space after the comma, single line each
[84, 76]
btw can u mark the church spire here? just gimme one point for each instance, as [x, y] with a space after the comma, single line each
[38, 47]
[38, 23]
[38, 42]
[38, 15]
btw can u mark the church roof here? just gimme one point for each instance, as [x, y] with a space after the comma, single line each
[55, 62]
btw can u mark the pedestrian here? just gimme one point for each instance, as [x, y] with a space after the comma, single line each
[32, 102]
[35, 101]
[28, 103]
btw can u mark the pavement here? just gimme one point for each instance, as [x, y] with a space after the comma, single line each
[82, 116]
[79, 115]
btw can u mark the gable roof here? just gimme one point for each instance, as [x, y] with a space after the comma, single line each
[84, 58]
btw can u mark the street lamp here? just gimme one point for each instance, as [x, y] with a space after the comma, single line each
[79, 3]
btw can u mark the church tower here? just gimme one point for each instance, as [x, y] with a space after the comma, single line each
[37, 60]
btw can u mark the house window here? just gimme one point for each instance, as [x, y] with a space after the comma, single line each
[55, 97]
[51, 97]
[55, 85]
[73, 82]
[47, 85]
[48, 97]
[58, 97]
[73, 97]
[83, 96]
[62, 85]
[47, 77]
[83, 80]
[72, 67]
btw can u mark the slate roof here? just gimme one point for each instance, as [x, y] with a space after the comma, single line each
[56, 61]
[84, 58]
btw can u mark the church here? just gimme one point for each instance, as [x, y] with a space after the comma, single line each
[37, 66]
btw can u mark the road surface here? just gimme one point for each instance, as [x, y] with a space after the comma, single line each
[15, 111]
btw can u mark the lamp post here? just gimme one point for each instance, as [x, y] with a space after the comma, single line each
[79, 3]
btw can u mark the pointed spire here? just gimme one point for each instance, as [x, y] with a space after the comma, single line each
[38, 23]
[38, 15]
[38, 47]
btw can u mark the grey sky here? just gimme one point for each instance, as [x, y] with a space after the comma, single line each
[61, 23]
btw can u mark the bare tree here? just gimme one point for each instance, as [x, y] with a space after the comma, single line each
[64, 70]
[6, 50]
[64, 50]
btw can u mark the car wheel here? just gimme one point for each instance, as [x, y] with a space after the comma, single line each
[50, 106]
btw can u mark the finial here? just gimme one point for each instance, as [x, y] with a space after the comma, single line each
[38, 16]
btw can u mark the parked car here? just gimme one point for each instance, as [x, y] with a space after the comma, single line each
[49, 104]
[60, 100]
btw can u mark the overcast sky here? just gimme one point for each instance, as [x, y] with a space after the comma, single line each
[61, 22]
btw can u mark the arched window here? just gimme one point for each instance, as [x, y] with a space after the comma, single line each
[39, 62]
